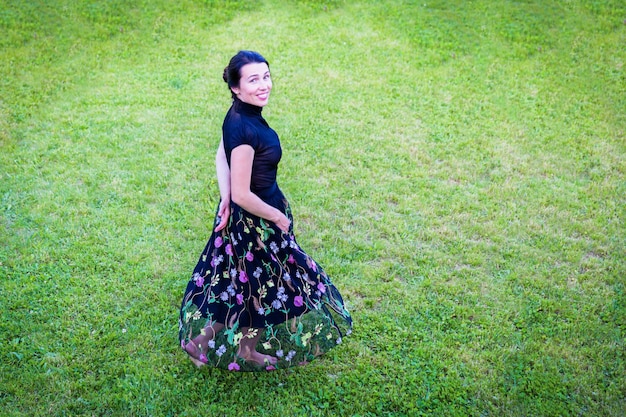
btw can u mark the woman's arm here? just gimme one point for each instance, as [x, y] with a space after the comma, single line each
[223, 172]
[223, 181]
[241, 171]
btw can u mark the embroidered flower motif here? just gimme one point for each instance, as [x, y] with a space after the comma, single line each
[230, 290]
[298, 301]
[280, 353]
[274, 247]
[224, 296]
[229, 250]
[199, 279]
[233, 366]
[276, 304]
[249, 256]
[321, 287]
[291, 259]
[290, 355]
[239, 298]
[211, 344]
[243, 277]
[257, 272]
[218, 242]
[281, 295]
[261, 311]
[220, 351]
[217, 260]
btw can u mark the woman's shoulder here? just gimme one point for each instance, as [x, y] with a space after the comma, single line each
[237, 129]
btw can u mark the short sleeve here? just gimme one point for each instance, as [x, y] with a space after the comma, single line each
[236, 133]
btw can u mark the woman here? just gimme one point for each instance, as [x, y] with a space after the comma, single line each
[256, 300]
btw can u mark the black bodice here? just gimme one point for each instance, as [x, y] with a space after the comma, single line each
[245, 125]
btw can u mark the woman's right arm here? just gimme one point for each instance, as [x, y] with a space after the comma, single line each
[223, 181]
[241, 160]
[223, 172]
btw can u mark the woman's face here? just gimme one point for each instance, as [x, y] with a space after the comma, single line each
[255, 84]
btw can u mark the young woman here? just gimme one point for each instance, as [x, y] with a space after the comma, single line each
[256, 300]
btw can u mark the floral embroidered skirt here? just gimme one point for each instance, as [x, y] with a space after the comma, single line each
[253, 275]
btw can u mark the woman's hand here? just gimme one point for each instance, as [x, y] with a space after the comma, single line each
[282, 222]
[223, 214]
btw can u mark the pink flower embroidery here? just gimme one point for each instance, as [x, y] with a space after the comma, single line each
[249, 256]
[199, 279]
[298, 301]
[243, 277]
[233, 366]
[321, 287]
[291, 259]
[313, 265]
[270, 368]
[218, 241]
[239, 298]
[229, 250]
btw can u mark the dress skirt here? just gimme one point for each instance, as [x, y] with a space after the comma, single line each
[253, 275]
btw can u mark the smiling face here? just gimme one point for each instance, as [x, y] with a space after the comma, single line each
[255, 84]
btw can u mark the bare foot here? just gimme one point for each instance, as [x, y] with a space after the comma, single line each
[195, 354]
[259, 358]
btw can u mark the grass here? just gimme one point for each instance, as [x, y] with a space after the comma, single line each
[457, 167]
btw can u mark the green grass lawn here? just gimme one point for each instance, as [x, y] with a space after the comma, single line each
[457, 167]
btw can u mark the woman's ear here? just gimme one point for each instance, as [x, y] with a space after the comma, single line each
[235, 90]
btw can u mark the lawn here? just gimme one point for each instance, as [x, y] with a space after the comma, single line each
[458, 168]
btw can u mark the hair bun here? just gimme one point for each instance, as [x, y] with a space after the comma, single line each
[225, 75]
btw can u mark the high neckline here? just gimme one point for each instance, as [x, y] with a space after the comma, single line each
[247, 108]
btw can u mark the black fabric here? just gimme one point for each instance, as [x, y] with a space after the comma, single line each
[245, 125]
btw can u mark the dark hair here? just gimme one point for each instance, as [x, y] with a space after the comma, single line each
[232, 73]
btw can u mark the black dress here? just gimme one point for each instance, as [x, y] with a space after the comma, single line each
[251, 274]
